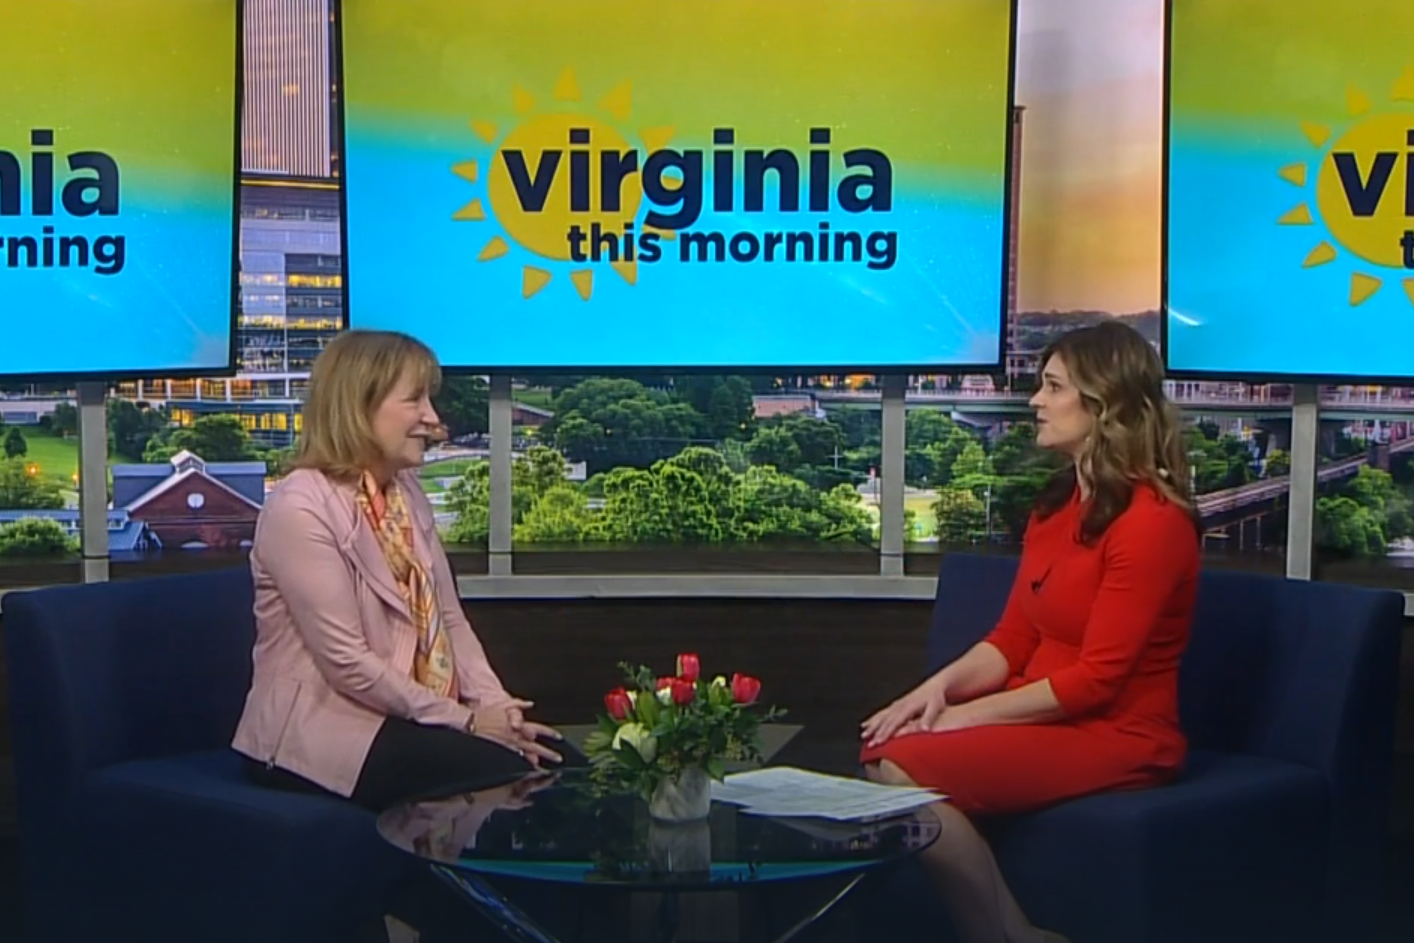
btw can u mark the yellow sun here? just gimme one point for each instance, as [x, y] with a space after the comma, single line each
[1363, 189]
[543, 145]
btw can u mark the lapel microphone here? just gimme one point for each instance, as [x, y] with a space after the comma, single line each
[1037, 584]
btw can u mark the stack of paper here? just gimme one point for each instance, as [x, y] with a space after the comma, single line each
[785, 791]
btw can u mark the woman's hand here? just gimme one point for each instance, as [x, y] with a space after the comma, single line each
[515, 795]
[505, 723]
[916, 711]
[957, 717]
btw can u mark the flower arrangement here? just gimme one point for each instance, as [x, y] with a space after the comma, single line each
[663, 733]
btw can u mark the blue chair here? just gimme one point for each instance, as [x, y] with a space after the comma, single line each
[136, 819]
[1275, 830]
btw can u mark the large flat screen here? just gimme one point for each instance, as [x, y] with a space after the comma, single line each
[630, 184]
[119, 126]
[1290, 189]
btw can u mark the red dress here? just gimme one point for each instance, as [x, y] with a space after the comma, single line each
[1107, 626]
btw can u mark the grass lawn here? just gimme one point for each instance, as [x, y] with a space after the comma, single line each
[538, 398]
[452, 468]
[925, 525]
[57, 459]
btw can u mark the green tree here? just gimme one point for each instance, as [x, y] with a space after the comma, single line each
[539, 470]
[932, 443]
[637, 509]
[15, 444]
[63, 421]
[35, 537]
[941, 457]
[1342, 526]
[1218, 461]
[131, 426]
[464, 403]
[532, 475]
[925, 426]
[612, 423]
[774, 446]
[1022, 471]
[469, 498]
[278, 462]
[216, 438]
[710, 466]
[818, 440]
[726, 402]
[962, 516]
[1278, 463]
[860, 427]
[559, 516]
[972, 469]
[769, 505]
[21, 491]
[802, 446]
[1375, 491]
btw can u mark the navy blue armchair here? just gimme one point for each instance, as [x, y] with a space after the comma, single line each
[1276, 828]
[136, 819]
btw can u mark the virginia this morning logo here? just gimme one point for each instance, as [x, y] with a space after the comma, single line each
[569, 187]
[77, 185]
[1364, 190]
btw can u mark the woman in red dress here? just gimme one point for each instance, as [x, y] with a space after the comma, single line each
[1075, 691]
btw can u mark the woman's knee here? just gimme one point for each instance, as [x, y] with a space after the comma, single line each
[888, 773]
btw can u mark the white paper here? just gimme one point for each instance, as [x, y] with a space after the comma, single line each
[785, 791]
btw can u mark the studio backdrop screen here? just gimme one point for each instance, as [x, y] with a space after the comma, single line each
[623, 183]
[1290, 189]
[118, 135]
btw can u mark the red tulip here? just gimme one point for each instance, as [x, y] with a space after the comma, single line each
[683, 692]
[618, 703]
[745, 689]
[689, 667]
[664, 683]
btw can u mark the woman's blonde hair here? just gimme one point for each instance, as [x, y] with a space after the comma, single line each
[351, 378]
[1136, 436]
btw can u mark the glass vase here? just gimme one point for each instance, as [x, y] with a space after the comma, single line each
[680, 847]
[686, 797]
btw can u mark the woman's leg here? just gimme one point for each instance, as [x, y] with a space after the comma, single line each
[962, 865]
[409, 761]
[273, 777]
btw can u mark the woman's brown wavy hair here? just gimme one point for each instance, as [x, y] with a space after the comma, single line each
[1136, 437]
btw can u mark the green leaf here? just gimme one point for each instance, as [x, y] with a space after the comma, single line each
[715, 769]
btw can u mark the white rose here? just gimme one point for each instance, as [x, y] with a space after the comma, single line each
[638, 737]
[665, 696]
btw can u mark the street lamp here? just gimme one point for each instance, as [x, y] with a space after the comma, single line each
[987, 534]
[1193, 457]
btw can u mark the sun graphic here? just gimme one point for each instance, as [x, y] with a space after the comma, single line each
[562, 130]
[1362, 188]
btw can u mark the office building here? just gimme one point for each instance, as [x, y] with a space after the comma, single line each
[291, 305]
[289, 114]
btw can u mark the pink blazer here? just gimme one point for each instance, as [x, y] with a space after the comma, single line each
[334, 639]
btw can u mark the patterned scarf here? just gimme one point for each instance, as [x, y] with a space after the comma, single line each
[388, 514]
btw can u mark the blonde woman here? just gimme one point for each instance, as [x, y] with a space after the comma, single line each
[369, 681]
[1076, 689]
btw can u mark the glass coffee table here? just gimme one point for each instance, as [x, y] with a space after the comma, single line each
[603, 849]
